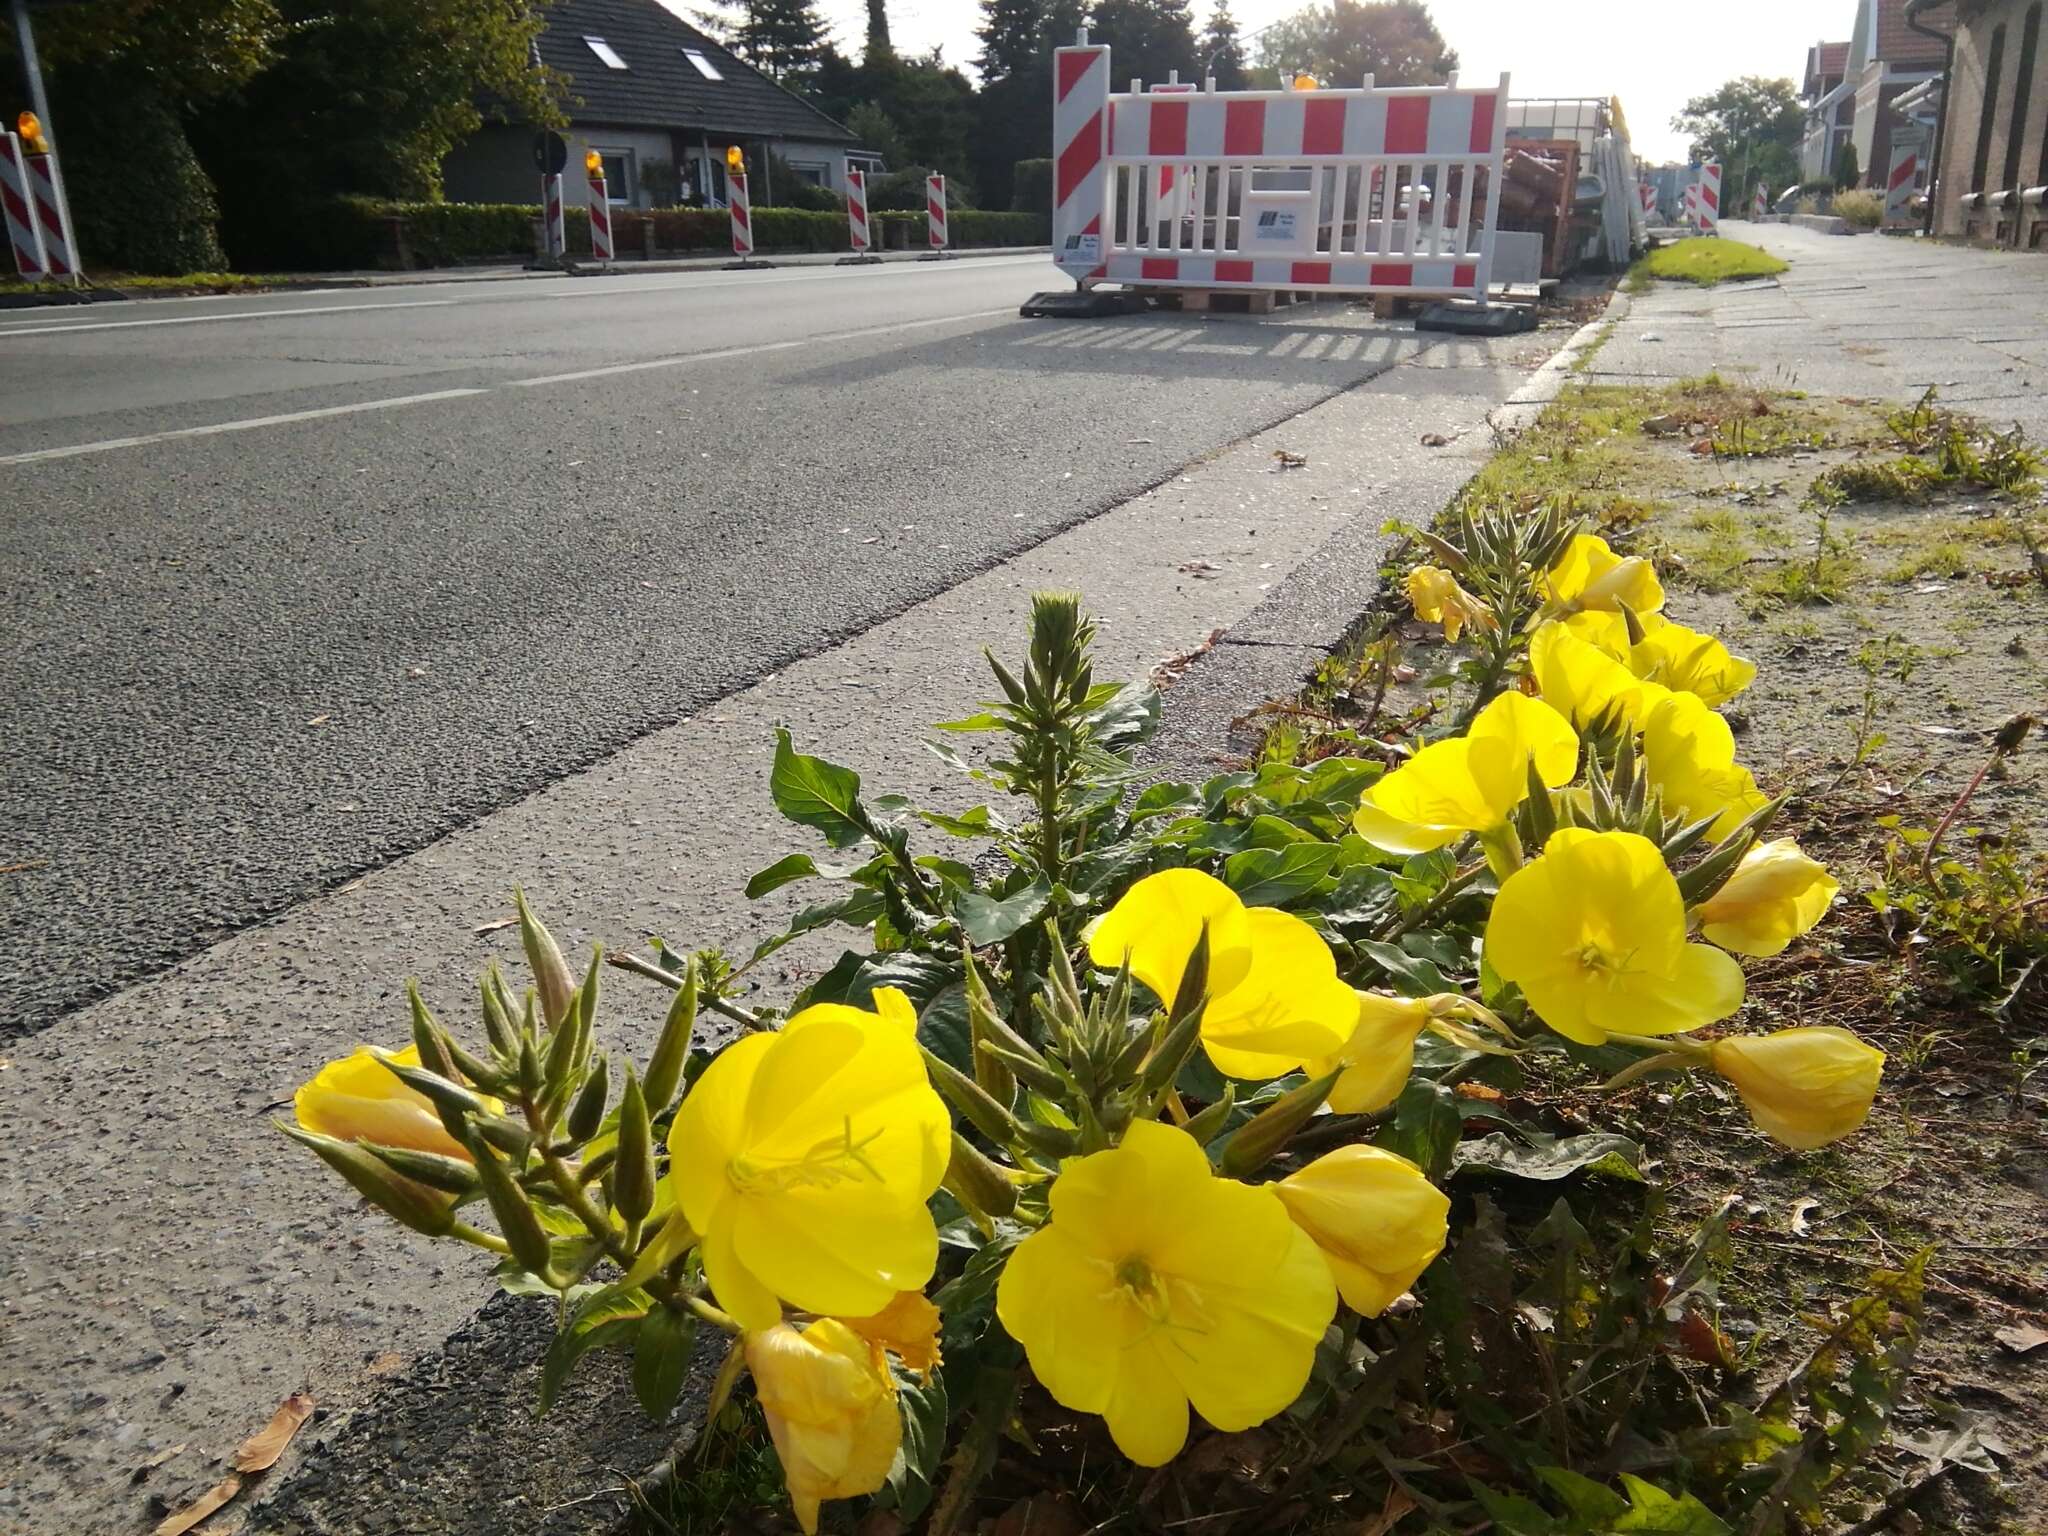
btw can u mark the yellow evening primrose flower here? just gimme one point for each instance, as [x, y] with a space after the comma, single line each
[1593, 932]
[1375, 1060]
[1437, 598]
[1804, 1087]
[1589, 574]
[1686, 660]
[830, 1404]
[1469, 783]
[1776, 894]
[358, 1099]
[1156, 1285]
[1584, 683]
[1378, 1221]
[1157, 922]
[804, 1157]
[908, 1328]
[1689, 759]
[1288, 1008]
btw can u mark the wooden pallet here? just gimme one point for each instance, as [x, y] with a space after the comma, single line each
[1244, 301]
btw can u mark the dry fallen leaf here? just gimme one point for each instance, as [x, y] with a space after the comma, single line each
[2023, 1340]
[24, 867]
[260, 1451]
[192, 1514]
[1287, 458]
[155, 1461]
[1397, 1508]
[1801, 1210]
[319, 720]
[502, 923]
[386, 1364]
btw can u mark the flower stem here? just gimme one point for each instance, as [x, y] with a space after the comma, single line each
[489, 1241]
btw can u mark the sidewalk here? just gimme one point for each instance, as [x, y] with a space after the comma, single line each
[1873, 316]
[170, 1268]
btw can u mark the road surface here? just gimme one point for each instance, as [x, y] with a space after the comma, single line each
[299, 583]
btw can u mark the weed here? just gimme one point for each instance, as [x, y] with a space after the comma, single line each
[1912, 481]
[1981, 918]
[1950, 560]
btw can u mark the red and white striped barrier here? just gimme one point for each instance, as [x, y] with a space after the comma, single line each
[1760, 204]
[1709, 203]
[556, 215]
[935, 212]
[60, 252]
[859, 221]
[1345, 191]
[600, 218]
[1898, 187]
[17, 208]
[1648, 194]
[741, 207]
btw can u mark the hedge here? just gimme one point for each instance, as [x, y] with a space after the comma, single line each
[361, 232]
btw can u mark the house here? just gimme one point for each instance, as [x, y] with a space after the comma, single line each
[1888, 56]
[659, 101]
[1830, 110]
[1994, 133]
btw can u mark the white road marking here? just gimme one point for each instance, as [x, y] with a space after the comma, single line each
[112, 443]
[254, 314]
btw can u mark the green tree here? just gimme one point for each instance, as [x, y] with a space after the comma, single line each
[1222, 50]
[1394, 41]
[1148, 39]
[784, 39]
[1846, 171]
[1013, 110]
[877, 131]
[879, 46]
[1753, 127]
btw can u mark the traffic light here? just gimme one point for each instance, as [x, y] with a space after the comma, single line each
[31, 129]
[735, 162]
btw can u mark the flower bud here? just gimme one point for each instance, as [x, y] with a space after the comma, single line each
[1378, 1221]
[672, 1050]
[551, 975]
[633, 1173]
[984, 1187]
[1775, 894]
[358, 1099]
[518, 1222]
[1259, 1140]
[405, 1202]
[587, 1113]
[1804, 1087]
[831, 1409]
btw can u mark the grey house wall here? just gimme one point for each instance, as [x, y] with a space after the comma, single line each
[496, 165]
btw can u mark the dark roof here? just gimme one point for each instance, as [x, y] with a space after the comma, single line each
[660, 88]
[1899, 45]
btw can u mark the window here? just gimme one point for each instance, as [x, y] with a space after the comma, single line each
[2022, 93]
[605, 52]
[1985, 121]
[814, 172]
[705, 67]
[618, 174]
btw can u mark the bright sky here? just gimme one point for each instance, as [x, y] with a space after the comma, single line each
[1653, 54]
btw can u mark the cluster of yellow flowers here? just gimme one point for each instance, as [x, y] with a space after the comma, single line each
[1595, 929]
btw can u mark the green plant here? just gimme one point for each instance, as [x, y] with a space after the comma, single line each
[1031, 186]
[1863, 210]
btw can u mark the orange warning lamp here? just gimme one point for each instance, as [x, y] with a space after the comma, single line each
[594, 163]
[735, 162]
[31, 129]
[1305, 83]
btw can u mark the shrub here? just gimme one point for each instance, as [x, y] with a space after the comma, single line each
[1031, 186]
[1847, 172]
[1865, 210]
[141, 200]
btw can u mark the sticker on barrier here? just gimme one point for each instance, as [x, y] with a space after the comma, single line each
[1371, 190]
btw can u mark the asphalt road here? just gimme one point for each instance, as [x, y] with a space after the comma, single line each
[297, 584]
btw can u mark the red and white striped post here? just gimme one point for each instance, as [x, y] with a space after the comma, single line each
[1760, 203]
[1080, 141]
[741, 207]
[935, 212]
[1648, 194]
[60, 251]
[1690, 214]
[600, 211]
[17, 207]
[557, 218]
[1898, 187]
[860, 220]
[1710, 198]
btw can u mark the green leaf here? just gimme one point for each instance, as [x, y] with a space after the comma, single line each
[798, 866]
[981, 720]
[606, 1318]
[857, 911]
[974, 823]
[1513, 1515]
[1425, 1126]
[1165, 799]
[1546, 1159]
[1127, 719]
[1586, 1499]
[923, 1448]
[1411, 975]
[1273, 877]
[817, 794]
[1654, 1512]
[1272, 832]
[987, 920]
[661, 1358]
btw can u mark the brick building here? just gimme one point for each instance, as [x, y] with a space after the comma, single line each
[1994, 134]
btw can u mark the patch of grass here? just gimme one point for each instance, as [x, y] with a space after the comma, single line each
[1863, 210]
[190, 282]
[1707, 262]
[1907, 480]
[713, 1485]
[1949, 560]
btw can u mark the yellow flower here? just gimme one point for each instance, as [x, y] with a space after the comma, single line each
[358, 1099]
[1156, 1285]
[1377, 1057]
[1378, 1221]
[1591, 575]
[1157, 922]
[1438, 599]
[1584, 683]
[831, 1409]
[804, 1156]
[1669, 654]
[1775, 894]
[908, 1328]
[1593, 932]
[1689, 759]
[1274, 996]
[1469, 783]
[1804, 1087]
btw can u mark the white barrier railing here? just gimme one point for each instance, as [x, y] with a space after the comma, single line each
[1348, 191]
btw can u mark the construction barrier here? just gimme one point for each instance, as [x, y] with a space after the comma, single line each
[1898, 187]
[1760, 203]
[600, 218]
[1392, 191]
[1690, 213]
[741, 207]
[17, 206]
[1709, 202]
[1648, 193]
[556, 215]
[859, 222]
[60, 251]
[935, 211]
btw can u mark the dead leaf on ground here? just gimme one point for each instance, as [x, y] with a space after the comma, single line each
[200, 1508]
[386, 1364]
[1287, 458]
[1397, 1508]
[155, 1461]
[1802, 1209]
[1435, 440]
[260, 1451]
[24, 867]
[1197, 568]
[319, 720]
[497, 926]
[2023, 1340]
